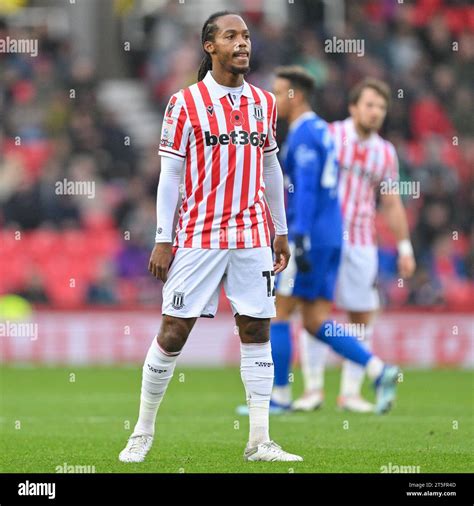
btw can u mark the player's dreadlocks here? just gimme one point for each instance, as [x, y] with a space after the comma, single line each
[208, 31]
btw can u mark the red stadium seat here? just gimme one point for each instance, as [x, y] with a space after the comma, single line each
[34, 155]
[66, 284]
[13, 272]
[43, 244]
[74, 244]
[10, 242]
[64, 295]
[103, 243]
[98, 221]
[398, 295]
[459, 295]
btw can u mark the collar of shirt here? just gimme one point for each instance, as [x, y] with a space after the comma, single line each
[303, 117]
[352, 134]
[218, 91]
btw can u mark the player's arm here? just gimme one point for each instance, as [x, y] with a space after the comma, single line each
[274, 195]
[305, 183]
[394, 212]
[167, 197]
[174, 137]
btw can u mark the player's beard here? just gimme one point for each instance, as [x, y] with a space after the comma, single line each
[240, 70]
[367, 130]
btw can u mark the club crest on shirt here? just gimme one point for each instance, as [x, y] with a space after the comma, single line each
[258, 112]
[178, 300]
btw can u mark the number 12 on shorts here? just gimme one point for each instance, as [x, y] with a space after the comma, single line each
[270, 289]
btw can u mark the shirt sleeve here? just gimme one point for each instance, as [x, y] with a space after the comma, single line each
[175, 129]
[391, 172]
[167, 197]
[271, 145]
[275, 192]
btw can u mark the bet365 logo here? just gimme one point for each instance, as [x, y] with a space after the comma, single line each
[242, 137]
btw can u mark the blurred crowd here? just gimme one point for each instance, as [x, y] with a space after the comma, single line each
[55, 129]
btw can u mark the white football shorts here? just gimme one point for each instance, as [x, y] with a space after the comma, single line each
[197, 274]
[356, 286]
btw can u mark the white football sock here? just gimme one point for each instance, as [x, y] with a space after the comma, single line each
[157, 372]
[313, 361]
[256, 371]
[282, 395]
[353, 374]
[374, 368]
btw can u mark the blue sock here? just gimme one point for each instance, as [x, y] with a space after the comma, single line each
[280, 337]
[343, 344]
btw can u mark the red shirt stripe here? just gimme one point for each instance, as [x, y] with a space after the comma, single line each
[215, 172]
[194, 118]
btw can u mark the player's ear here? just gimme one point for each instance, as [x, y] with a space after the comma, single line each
[299, 95]
[209, 47]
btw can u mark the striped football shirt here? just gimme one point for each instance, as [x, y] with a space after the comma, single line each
[223, 139]
[364, 164]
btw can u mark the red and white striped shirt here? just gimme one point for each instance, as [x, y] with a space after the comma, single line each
[364, 164]
[223, 144]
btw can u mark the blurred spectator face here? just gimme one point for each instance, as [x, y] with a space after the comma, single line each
[438, 32]
[443, 246]
[231, 46]
[437, 215]
[369, 112]
[444, 79]
[463, 99]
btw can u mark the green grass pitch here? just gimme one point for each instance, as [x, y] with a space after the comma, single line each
[47, 420]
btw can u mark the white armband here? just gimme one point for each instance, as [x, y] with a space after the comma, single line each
[405, 248]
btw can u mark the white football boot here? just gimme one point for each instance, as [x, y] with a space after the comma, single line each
[269, 452]
[136, 449]
[309, 401]
[355, 403]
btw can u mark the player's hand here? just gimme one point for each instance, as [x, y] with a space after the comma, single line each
[160, 260]
[406, 266]
[282, 253]
[301, 258]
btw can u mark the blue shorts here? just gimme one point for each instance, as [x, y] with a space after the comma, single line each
[319, 282]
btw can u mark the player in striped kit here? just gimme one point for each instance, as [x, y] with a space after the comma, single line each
[218, 142]
[366, 161]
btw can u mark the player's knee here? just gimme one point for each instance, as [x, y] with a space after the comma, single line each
[284, 308]
[173, 334]
[312, 324]
[254, 331]
[282, 314]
